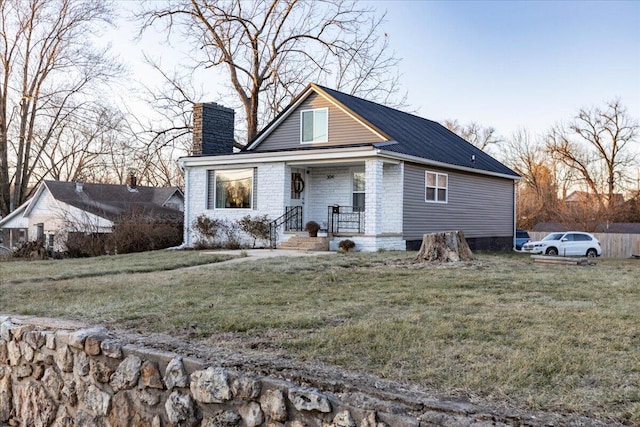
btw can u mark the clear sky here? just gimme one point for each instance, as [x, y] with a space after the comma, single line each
[505, 64]
[512, 64]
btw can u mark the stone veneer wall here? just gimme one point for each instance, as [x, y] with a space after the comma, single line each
[64, 376]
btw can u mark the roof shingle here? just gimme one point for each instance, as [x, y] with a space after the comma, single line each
[112, 201]
[420, 137]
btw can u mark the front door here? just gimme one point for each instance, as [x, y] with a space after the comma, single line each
[298, 177]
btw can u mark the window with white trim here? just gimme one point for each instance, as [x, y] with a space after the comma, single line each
[230, 189]
[358, 191]
[314, 125]
[436, 187]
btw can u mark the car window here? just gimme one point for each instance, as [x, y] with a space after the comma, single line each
[554, 236]
[522, 234]
[582, 237]
[569, 237]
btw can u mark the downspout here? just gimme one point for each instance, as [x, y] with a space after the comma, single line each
[515, 197]
[185, 225]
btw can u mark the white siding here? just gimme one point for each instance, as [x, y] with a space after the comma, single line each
[327, 187]
[392, 198]
[270, 185]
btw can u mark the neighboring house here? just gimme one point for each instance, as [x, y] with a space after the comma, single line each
[58, 208]
[582, 197]
[379, 176]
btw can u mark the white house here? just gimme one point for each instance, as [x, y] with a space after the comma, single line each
[58, 208]
[379, 176]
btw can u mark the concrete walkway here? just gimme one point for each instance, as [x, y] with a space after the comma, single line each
[255, 254]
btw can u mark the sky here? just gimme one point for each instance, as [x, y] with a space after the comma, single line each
[505, 64]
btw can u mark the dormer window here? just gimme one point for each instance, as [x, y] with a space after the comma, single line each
[314, 125]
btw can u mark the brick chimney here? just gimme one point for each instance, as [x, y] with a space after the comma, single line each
[132, 181]
[212, 129]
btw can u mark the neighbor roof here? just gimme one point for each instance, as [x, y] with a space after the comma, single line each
[415, 136]
[112, 201]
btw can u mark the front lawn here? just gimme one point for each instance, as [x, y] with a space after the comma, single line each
[18, 271]
[555, 338]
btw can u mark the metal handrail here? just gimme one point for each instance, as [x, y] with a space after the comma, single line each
[345, 219]
[292, 220]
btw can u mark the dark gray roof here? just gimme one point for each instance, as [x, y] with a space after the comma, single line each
[419, 137]
[113, 201]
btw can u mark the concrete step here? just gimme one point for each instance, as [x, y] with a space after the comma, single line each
[306, 243]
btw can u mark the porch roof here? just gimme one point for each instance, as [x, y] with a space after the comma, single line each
[334, 155]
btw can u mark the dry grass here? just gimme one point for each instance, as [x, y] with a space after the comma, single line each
[558, 338]
[19, 271]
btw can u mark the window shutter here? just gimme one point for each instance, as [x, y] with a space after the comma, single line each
[255, 188]
[211, 189]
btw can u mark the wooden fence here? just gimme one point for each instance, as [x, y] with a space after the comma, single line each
[613, 245]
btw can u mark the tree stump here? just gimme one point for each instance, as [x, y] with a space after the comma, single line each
[445, 247]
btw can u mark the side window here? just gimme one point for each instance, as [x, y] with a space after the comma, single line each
[358, 191]
[436, 187]
[314, 125]
[570, 237]
[40, 231]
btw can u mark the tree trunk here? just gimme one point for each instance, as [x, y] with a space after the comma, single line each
[445, 247]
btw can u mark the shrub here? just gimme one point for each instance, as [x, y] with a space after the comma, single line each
[141, 235]
[346, 244]
[312, 227]
[207, 229]
[231, 230]
[82, 245]
[257, 228]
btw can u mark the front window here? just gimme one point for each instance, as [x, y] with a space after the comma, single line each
[314, 125]
[436, 187]
[358, 191]
[233, 189]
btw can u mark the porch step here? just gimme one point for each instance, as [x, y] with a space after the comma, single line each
[301, 243]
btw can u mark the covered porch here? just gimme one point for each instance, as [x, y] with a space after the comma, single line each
[357, 200]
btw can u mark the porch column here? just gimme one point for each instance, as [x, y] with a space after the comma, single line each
[373, 173]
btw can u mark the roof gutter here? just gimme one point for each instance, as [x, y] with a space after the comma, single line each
[423, 161]
[321, 154]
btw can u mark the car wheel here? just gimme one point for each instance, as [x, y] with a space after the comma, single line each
[552, 251]
[592, 253]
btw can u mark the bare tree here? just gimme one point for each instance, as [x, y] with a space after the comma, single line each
[48, 70]
[270, 49]
[78, 148]
[597, 145]
[480, 136]
[537, 199]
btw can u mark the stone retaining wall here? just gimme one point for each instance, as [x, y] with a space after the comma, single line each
[64, 376]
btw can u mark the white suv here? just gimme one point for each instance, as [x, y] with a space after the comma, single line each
[565, 244]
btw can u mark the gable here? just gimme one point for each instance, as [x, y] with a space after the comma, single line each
[343, 129]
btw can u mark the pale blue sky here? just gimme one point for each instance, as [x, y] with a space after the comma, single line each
[505, 64]
[511, 64]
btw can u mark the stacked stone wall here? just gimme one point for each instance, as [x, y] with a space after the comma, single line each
[63, 375]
